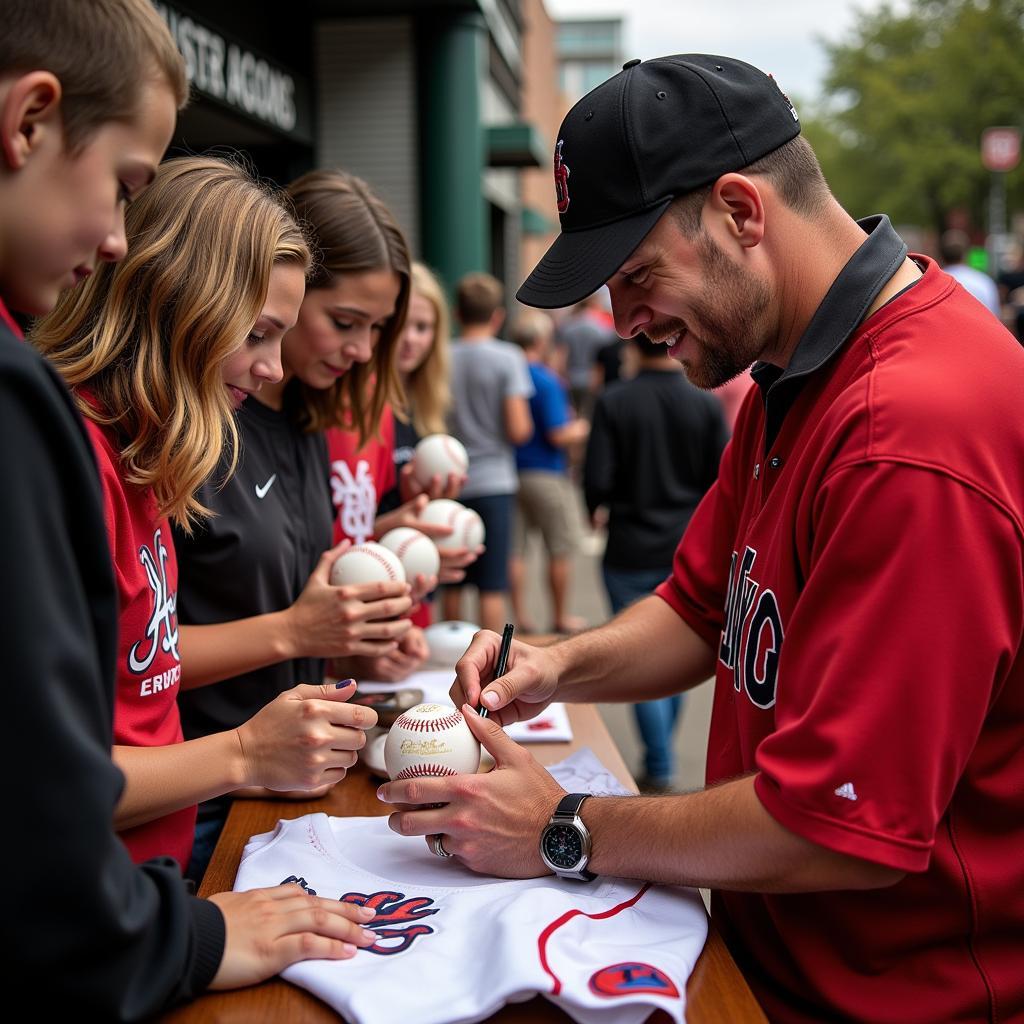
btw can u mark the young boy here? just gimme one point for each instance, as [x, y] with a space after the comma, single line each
[88, 96]
[490, 415]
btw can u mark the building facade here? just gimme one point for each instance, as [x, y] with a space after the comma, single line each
[425, 99]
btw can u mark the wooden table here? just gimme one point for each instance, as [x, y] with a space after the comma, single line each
[716, 991]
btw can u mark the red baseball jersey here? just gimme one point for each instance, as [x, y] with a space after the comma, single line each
[149, 665]
[861, 582]
[359, 477]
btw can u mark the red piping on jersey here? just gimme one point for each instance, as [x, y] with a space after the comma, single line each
[542, 940]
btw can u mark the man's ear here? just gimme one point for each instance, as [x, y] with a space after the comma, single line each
[739, 206]
[29, 112]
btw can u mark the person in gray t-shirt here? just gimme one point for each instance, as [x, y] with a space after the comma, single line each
[490, 415]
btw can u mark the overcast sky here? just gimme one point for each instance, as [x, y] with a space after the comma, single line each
[779, 36]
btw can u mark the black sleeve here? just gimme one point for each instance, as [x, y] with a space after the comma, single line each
[86, 930]
[599, 464]
[717, 435]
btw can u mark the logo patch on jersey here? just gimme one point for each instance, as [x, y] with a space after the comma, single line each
[301, 882]
[162, 629]
[561, 179]
[355, 499]
[632, 979]
[752, 638]
[395, 923]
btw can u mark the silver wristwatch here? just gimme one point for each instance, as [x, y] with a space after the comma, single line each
[565, 840]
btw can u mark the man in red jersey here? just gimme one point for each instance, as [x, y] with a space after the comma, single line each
[854, 581]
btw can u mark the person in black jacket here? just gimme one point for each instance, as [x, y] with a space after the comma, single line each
[654, 449]
[88, 92]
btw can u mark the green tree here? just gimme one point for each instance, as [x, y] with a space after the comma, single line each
[909, 94]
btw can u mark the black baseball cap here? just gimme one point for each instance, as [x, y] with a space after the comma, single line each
[656, 130]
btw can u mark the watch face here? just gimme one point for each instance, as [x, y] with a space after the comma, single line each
[563, 846]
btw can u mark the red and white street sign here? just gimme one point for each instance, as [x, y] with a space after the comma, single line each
[1000, 148]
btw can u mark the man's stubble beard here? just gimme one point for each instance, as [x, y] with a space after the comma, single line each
[731, 308]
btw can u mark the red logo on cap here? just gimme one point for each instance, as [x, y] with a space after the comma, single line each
[561, 180]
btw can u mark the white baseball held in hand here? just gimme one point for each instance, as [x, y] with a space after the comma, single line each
[439, 455]
[467, 526]
[470, 528]
[416, 551]
[431, 739]
[367, 563]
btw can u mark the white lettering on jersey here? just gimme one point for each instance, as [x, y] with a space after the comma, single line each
[160, 682]
[162, 630]
[355, 498]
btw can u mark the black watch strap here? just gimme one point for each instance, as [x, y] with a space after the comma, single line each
[571, 803]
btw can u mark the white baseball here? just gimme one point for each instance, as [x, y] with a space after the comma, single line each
[439, 455]
[470, 528]
[367, 563]
[416, 551]
[431, 739]
[448, 642]
[445, 512]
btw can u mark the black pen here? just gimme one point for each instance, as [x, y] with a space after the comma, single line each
[506, 646]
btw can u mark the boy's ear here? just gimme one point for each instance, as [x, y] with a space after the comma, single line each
[29, 109]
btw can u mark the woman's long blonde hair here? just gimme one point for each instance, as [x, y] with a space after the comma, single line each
[352, 232]
[143, 341]
[427, 390]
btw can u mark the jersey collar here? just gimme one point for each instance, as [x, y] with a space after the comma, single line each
[834, 321]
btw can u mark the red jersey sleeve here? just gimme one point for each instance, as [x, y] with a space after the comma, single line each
[878, 723]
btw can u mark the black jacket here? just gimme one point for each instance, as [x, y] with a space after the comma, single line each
[85, 930]
[654, 448]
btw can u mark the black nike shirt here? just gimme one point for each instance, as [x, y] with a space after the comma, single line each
[273, 522]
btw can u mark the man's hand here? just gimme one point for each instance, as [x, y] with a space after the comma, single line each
[525, 690]
[267, 930]
[491, 822]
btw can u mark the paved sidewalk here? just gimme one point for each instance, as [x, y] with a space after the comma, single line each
[589, 601]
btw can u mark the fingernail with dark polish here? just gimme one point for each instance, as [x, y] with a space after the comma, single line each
[343, 683]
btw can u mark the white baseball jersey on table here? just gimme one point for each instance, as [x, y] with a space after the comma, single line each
[455, 946]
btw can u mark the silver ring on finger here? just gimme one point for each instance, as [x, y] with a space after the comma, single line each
[437, 845]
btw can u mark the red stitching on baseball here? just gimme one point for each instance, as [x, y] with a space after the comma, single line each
[388, 567]
[454, 454]
[430, 724]
[418, 771]
[404, 546]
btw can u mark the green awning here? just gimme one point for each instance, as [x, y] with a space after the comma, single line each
[515, 145]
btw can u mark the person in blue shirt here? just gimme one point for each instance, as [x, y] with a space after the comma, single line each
[545, 500]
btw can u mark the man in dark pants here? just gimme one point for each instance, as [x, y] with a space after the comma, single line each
[654, 449]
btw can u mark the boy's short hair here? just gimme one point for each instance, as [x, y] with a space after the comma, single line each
[102, 51]
[478, 297]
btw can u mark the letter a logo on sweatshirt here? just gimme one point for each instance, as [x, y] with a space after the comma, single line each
[162, 629]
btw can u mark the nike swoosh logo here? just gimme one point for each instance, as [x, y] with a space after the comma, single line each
[261, 492]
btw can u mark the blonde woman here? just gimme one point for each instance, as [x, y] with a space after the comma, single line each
[422, 365]
[159, 350]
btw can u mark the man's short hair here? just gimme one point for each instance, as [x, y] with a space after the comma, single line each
[793, 171]
[529, 326]
[478, 297]
[102, 51]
